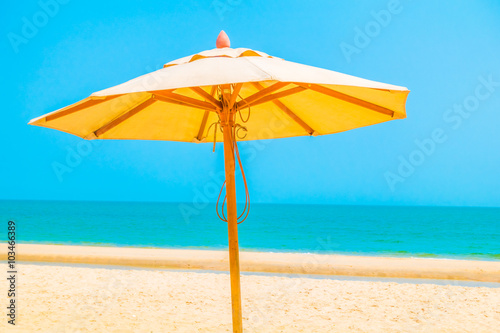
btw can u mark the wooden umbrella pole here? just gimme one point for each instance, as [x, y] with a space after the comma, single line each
[232, 220]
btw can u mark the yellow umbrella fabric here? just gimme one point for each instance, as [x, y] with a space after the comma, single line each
[248, 94]
[181, 100]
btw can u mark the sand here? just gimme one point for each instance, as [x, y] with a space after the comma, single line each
[297, 263]
[62, 298]
[137, 290]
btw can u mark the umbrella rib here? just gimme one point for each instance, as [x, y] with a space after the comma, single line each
[202, 127]
[261, 94]
[236, 91]
[208, 97]
[205, 116]
[275, 96]
[187, 100]
[287, 110]
[173, 101]
[349, 99]
[226, 92]
[296, 118]
[115, 122]
[91, 101]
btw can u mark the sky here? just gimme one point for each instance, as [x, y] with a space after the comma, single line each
[445, 153]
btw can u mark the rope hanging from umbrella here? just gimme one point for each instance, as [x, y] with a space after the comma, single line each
[246, 210]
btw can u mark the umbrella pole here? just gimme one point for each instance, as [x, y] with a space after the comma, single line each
[232, 225]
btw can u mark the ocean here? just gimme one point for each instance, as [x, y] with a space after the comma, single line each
[440, 232]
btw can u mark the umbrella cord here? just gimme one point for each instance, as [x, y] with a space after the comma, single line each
[217, 123]
[234, 147]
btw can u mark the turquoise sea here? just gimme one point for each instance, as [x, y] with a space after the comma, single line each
[443, 232]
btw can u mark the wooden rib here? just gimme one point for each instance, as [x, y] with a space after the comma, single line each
[124, 117]
[349, 99]
[208, 97]
[287, 111]
[236, 91]
[292, 115]
[91, 101]
[226, 92]
[281, 94]
[261, 94]
[173, 101]
[188, 100]
[202, 126]
[205, 117]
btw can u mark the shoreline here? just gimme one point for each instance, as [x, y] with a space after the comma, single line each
[387, 254]
[266, 262]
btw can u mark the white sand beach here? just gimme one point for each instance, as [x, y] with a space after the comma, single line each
[79, 298]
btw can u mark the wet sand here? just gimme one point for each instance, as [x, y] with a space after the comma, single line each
[294, 263]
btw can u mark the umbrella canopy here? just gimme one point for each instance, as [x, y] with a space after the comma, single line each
[181, 100]
[249, 94]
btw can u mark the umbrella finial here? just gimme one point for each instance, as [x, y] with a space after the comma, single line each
[222, 40]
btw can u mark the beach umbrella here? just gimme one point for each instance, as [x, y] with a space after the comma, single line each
[229, 95]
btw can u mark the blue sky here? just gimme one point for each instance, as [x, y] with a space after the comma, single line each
[445, 153]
